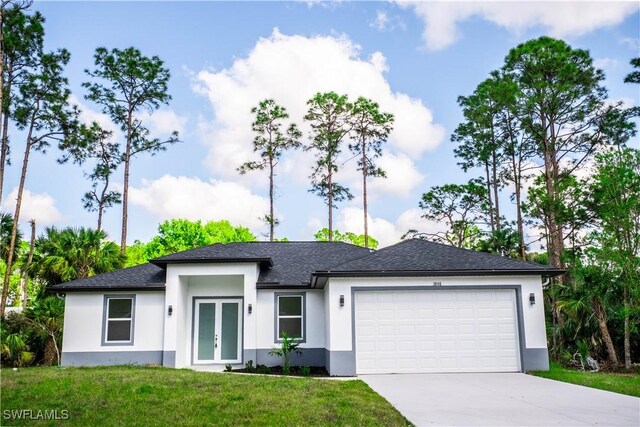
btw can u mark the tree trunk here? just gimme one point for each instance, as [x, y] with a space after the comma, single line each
[271, 213]
[517, 181]
[601, 316]
[489, 199]
[627, 329]
[330, 197]
[495, 192]
[364, 194]
[125, 191]
[5, 131]
[25, 277]
[16, 218]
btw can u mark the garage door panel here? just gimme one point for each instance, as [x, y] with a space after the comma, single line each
[436, 331]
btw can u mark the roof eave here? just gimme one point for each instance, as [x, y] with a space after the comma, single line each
[268, 262]
[548, 272]
[150, 287]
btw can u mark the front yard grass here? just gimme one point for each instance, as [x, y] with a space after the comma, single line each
[617, 382]
[143, 396]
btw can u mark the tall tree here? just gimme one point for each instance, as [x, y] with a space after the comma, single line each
[42, 111]
[22, 41]
[329, 115]
[479, 139]
[519, 151]
[614, 197]
[69, 254]
[634, 78]
[94, 144]
[562, 108]
[370, 128]
[126, 82]
[460, 207]
[27, 266]
[271, 141]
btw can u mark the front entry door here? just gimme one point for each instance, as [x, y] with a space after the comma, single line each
[217, 331]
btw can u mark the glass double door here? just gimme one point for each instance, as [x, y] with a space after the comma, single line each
[217, 331]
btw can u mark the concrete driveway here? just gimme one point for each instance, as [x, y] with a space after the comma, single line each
[502, 400]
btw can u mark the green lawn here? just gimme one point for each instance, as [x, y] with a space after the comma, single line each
[110, 396]
[616, 382]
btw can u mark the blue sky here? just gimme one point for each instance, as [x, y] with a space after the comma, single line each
[415, 59]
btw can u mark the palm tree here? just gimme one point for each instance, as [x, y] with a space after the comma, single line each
[6, 226]
[585, 304]
[74, 253]
[47, 317]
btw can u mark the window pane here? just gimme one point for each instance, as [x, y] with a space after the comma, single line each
[293, 327]
[290, 306]
[229, 331]
[119, 330]
[120, 308]
[206, 330]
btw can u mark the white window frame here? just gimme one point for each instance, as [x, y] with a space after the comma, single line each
[107, 319]
[301, 316]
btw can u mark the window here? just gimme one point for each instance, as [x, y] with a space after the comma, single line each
[118, 319]
[290, 316]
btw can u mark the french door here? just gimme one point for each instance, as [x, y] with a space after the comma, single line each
[217, 336]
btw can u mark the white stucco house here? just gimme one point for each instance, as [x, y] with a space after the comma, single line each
[413, 307]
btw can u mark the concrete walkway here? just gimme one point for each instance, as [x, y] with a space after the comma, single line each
[502, 400]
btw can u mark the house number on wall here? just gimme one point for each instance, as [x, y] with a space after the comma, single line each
[437, 283]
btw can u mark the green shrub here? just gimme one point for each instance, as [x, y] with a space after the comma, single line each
[287, 347]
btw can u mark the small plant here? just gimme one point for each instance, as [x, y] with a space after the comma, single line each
[287, 347]
[249, 366]
[228, 367]
[305, 371]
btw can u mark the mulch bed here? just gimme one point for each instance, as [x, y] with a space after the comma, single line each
[295, 371]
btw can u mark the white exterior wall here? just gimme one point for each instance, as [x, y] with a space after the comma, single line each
[314, 317]
[83, 322]
[339, 326]
[185, 281]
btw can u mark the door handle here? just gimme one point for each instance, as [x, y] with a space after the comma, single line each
[216, 342]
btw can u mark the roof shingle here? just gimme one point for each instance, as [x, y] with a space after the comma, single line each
[292, 264]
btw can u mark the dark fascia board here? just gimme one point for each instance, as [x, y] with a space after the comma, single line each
[153, 287]
[268, 262]
[280, 285]
[320, 278]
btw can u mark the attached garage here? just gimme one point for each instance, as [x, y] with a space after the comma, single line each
[436, 330]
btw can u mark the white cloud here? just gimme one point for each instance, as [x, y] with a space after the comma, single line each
[381, 21]
[605, 63]
[384, 231]
[40, 207]
[631, 43]
[191, 198]
[89, 115]
[559, 19]
[291, 69]
[164, 122]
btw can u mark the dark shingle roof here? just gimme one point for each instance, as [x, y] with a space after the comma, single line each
[418, 255]
[292, 264]
[283, 263]
[140, 277]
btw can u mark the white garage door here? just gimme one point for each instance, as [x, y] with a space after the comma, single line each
[436, 331]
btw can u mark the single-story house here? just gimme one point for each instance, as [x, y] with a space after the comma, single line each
[416, 306]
